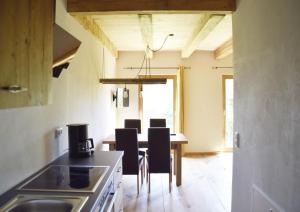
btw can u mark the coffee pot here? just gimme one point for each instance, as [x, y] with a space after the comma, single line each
[79, 143]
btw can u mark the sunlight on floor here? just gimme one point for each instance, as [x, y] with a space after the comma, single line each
[206, 187]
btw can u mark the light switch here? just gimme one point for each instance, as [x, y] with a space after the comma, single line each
[236, 139]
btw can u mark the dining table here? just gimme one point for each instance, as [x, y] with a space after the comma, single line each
[176, 140]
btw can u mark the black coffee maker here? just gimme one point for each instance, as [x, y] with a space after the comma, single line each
[79, 143]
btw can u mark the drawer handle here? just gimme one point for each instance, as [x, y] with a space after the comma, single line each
[119, 184]
[14, 89]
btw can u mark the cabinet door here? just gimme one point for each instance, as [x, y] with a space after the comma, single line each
[26, 51]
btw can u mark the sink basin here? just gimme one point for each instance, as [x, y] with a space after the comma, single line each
[45, 203]
[42, 205]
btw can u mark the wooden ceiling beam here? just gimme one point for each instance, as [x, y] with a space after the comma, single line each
[207, 24]
[224, 50]
[97, 6]
[145, 21]
[90, 25]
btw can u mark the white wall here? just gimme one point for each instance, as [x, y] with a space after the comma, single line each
[27, 134]
[267, 102]
[202, 94]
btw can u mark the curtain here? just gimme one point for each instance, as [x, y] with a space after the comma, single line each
[180, 101]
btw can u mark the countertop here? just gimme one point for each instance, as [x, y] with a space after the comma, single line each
[99, 158]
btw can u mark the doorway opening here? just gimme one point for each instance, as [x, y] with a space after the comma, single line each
[158, 101]
[228, 111]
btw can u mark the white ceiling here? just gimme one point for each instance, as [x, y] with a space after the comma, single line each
[125, 32]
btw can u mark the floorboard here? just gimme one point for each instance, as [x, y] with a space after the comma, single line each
[206, 187]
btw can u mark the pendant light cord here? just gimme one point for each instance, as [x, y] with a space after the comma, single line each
[148, 59]
[156, 50]
[141, 66]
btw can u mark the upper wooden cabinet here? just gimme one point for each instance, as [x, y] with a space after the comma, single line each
[26, 43]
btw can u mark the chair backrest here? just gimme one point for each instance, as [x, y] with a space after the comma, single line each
[157, 122]
[159, 150]
[126, 140]
[133, 123]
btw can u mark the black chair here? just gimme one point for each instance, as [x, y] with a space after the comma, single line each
[157, 122]
[159, 158]
[126, 140]
[133, 123]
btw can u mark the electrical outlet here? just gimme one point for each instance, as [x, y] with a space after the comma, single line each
[58, 132]
[236, 139]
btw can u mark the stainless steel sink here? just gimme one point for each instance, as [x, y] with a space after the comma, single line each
[44, 203]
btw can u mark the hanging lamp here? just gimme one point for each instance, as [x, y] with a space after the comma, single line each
[147, 79]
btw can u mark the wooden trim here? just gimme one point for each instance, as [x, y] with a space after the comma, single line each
[140, 104]
[193, 154]
[224, 77]
[224, 50]
[227, 150]
[174, 78]
[153, 80]
[206, 25]
[90, 25]
[180, 99]
[96, 6]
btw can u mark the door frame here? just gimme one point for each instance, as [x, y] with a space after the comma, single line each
[140, 97]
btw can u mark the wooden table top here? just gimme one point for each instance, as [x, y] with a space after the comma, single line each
[179, 138]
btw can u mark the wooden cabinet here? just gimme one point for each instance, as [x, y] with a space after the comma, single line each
[26, 51]
[118, 188]
[114, 201]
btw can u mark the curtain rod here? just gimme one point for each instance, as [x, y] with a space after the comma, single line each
[217, 67]
[138, 68]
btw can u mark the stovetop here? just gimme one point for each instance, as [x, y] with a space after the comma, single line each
[62, 178]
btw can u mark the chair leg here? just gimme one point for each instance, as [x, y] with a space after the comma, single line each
[174, 161]
[142, 175]
[170, 182]
[143, 168]
[147, 179]
[138, 186]
[170, 178]
[149, 183]
[171, 172]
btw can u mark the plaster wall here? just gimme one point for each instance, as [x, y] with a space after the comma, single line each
[27, 134]
[267, 113]
[202, 94]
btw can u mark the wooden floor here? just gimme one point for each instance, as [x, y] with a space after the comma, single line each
[206, 187]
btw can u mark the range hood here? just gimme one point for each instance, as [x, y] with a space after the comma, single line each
[65, 47]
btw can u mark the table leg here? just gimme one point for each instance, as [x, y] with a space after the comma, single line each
[175, 161]
[178, 164]
[112, 147]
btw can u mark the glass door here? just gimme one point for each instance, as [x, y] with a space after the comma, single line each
[228, 110]
[157, 101]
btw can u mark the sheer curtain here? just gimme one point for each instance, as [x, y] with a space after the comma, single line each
[180, 101]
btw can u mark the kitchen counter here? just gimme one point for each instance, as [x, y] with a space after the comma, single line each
[99, 158]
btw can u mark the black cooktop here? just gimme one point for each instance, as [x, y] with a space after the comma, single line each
[64, 178]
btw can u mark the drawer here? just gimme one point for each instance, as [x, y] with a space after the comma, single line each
[117, 175]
